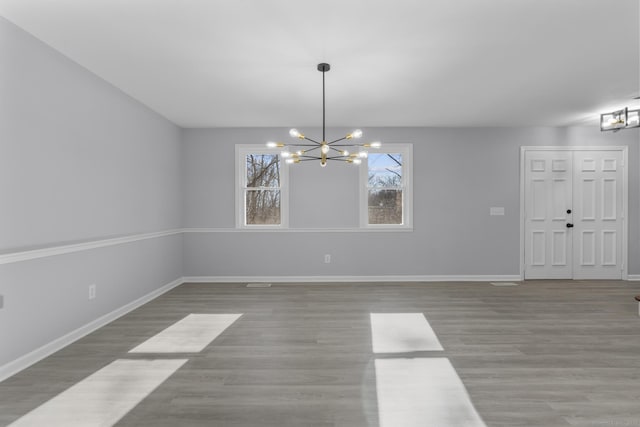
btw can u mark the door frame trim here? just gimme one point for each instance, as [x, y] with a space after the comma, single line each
[625, 195]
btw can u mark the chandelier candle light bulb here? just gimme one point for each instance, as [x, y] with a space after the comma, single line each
[355, 134]
[294, 133]
[307, 151]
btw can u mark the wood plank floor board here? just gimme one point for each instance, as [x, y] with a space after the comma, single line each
[544, 353]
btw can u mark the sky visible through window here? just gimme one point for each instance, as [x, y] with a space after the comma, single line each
[385, 169]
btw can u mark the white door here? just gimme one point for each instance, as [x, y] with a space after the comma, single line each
[598, 215]
[573, 214]
[548, 207]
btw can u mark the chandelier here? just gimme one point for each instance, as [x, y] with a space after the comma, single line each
[324, 151]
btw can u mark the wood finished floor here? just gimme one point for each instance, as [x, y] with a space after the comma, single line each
[544, 353]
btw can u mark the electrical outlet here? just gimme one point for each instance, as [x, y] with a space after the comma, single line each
[327, 259]
[92, 292]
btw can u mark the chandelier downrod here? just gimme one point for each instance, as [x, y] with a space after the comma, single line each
[324, 68]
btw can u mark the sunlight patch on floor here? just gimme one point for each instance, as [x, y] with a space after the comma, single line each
[104, 397]
[422, 392]
[402, 333]
[189, 335]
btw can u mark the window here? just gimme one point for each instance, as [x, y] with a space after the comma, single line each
[262, 196]
[385, 187]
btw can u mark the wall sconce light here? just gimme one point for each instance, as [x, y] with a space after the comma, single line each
[620, 119]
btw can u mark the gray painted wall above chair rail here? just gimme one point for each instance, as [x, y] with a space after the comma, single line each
[459, 174]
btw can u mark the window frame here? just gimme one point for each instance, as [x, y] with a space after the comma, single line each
[242, 150]
[406, 150]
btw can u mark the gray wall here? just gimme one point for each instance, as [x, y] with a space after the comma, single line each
[79, 160]
[458, 175]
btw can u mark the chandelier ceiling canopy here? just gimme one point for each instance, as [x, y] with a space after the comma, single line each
[341, 149]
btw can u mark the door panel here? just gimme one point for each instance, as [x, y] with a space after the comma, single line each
[609, 248]
[547, 198]
[587, 247]
[609, 189]
[587, 209]
[538, 246]
[559, 247]
[561, 188]
[599, 193]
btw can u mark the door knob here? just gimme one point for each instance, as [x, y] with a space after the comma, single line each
[569, 225]
[568, 210]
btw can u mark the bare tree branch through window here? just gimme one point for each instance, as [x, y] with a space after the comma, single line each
[262, 191]
[385, 188]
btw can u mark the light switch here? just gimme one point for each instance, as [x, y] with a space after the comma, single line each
[496, 211]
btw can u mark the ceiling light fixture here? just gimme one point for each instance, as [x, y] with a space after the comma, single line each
[620, 119]
[323, 150]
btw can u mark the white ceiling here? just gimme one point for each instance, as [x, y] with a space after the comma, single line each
[220, 63]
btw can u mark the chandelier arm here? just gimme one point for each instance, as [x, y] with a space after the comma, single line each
[303, 145]
[313, 148]
[335, 149]
[303, 152]
[337, 140]
[313, 140]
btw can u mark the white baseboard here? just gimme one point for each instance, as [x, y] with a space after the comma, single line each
[334, 279]
[9, 369]
[633, 277]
